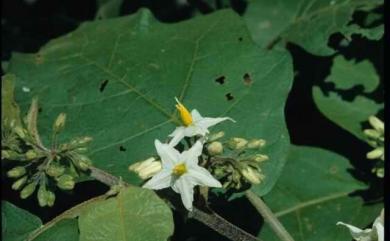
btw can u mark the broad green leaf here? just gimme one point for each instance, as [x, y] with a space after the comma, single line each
[108, 8]
[117, 78]
[16, 222]
[9, 109]
[134, 214]
[349, 114]
[64, 230]
[347, 74]
[308, 23]
[313, 194]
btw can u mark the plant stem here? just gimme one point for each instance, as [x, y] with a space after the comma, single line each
[214, 221]
[268, 216]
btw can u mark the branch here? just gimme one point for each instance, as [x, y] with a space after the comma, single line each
[214, 221]
[268, 216]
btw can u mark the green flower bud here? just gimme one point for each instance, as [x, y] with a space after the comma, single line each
[5, 154]
[65, 182]
[16, 172]
[236, 143]
[59, 122]
[259, 158]
[84, 140]
[31, 154]
[9, 154]
[55, 170]
[252, 175]
[42, 195]
[19, 183]
[50, 198]
[215, 148]
[83, 162]
[377, 124]
[20, 132]
[146, 169]
[372, 133]
[376, 153]
[28, 190]
[216, 136]
[256, 143]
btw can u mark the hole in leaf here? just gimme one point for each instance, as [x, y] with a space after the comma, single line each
[240, 39]
[103, 85]
[220, 80]
[247, 79]
[122, 148]
[40, 109]
[229, 96]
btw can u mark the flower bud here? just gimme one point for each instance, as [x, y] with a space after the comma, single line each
[377, 124]
[31, 154]
[84, 140]
[55, 170]
[19, 183]
[50, 198]
[372, 133]
[16, 172]
[252, 176]
[259, 158]
[20, 132]
[28, 190]
[256, 143]
[147, 168]
[376, 153]
[42, 195]
[215, 148]
[65, 182]
[9, 154]
[83, 162]
[236, 143]
[216, 136]
[59, 122]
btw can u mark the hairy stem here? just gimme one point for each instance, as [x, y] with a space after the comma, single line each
[214, 221]
[268, 216]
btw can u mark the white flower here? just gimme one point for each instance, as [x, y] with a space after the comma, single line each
[193, 124]
[376, 233]
[181, 172]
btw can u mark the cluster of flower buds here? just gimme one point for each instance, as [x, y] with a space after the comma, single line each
[237, 161]
[147, 168]
[37, 167]
[375, 138]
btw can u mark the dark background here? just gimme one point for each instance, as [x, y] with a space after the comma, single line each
[27, 25]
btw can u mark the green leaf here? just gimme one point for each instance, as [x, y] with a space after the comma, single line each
[350, 115]
[64, 230]
[308, 23]
[9, 109]
[374, 33]
[16, 222]
[134, 214]
[310, 211]
[347, 74]
[116, 80]
[108, 8]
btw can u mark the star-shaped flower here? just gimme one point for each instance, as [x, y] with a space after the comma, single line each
[181, 172]
[193, 124]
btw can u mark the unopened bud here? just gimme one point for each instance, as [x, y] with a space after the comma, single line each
[59, 122]
[376, 153]
[372, 133]
[65, 182]
[216, 136]
[83, 163]
[50, 198]
[252, 176]
[147, 168]
[84, 140]
[55, 170]
[20, 132]
[19, 183]
[42, 195]
[215, 148]
[5, 154]
[237, 143]
[260, 158]
[31, 154]
[256, 143]
[377, 124]
[28, 190]
[16, 172]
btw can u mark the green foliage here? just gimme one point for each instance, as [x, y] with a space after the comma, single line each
[64, 230]
[308, 23]
[310, 211]
[349, 114]
[134, 214]
[101, 69]
[16, 223]
[9, 109]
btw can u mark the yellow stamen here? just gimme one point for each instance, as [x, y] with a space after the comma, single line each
[185, 115]
[179, 169]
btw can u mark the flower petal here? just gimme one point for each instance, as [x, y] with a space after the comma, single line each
[194, 130]
[169, 155]
[190, 157]
[161, 180]
[196, 115]
[200, 176]
[177, 135]
[207, 122]
[357, 233]
[186, 190]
